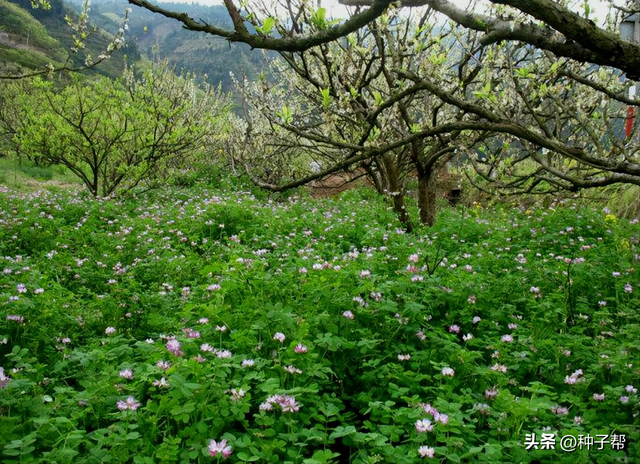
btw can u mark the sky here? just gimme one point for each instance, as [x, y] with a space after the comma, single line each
[598, 7]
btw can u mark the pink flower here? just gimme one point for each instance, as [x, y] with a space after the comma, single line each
[213, 287]
[4, 380]
[499, 368]
[454, 328]
[300, 348]
[248, 363]
[279, 336]
[624, 399]
[424, 425]
[129, 404]
[426, 452]
[22, 288]
[628, 288]
[598, 396]
[447, 371]
[222, 448]
[560, 410]
[404, 357]
[442, 418]
[348, 314]
[126, 374]
[292, 370]
[161, 383]
[286, 402]
[164, 365]
[506, 339]
[631, 389]
[110, 330]
[173, 346]
[491, 394]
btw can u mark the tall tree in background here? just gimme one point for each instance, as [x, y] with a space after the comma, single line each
[344, 105]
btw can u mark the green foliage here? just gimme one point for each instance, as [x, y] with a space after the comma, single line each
[195, 283]
[38, 172]
[118, 135]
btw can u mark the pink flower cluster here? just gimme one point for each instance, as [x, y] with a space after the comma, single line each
[286, 402]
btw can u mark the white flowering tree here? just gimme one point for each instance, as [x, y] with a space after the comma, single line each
[344, 106]
[545, 24]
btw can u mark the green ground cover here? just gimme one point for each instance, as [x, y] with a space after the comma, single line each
[313, 331]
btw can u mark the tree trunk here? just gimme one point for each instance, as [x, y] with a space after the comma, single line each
[427, 195]
[396, 190]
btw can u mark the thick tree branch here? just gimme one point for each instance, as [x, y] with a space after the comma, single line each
[285, 44]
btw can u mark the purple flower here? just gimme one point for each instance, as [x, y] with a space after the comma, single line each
[22, 288]
[598, 396]
[454, 329]
[110, 330]
[222, 448]
[279, 336]
[624, 399]
[506, 339]
[476, 319]
[628, 288]
[248, 363]
[213, 287]
[631, 389]
[348, 314]
[173, 346]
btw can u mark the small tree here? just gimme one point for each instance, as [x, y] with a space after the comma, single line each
[117, 134]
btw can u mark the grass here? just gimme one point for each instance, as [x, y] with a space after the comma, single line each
[30, 178]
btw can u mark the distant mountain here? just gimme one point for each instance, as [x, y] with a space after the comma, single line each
[32, 38]
[159, 38]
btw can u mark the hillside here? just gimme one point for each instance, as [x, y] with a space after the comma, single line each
[157, 37]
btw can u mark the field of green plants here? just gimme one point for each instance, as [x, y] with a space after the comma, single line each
[207, 325]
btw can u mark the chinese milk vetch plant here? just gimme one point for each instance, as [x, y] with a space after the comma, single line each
[203, 326]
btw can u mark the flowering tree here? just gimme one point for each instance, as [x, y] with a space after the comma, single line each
[344, 105]
[115, 135]
[545, 24]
